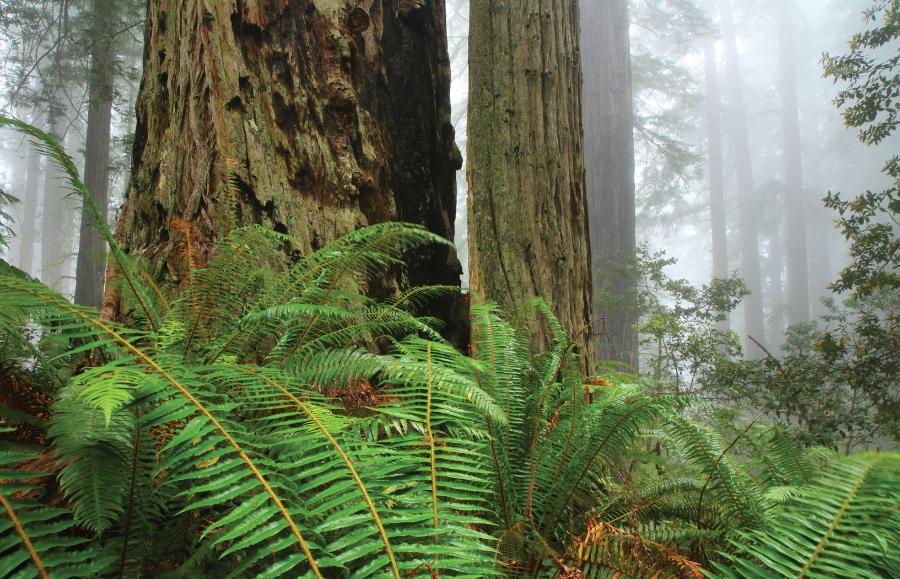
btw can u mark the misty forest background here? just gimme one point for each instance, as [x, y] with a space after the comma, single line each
[674, 221]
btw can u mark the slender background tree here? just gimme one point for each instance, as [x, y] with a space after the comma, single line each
[609, 157]
[795, 208]
[754, 321]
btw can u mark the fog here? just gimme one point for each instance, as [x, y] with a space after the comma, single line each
[767, 70]
[670, 45]
[482, 288]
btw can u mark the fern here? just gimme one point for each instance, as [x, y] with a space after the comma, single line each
[726, 483]
[845, 525]
[273, 420]
[353, 259]
[605, 551]
[46, 144]
[553, 456]
[36, 539]
[175, 394]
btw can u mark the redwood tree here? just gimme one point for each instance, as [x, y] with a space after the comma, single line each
[609, 156]
[528, 232]
[795, 208]
[754, 325]
[91, 264]
[56, 208]
[714, 158]
[311, 117]
[30, 199]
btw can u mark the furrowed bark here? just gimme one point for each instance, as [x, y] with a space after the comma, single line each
[528, 231]
[312, 117]
[90, 268]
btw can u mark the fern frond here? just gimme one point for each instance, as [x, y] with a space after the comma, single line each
[37, 539]
[417, 297]
[735, 493]
[367, 498]
[47, 145]
[354, 258]
[505, 356]
[784, 460]
[845, 525]
[242, 265]
[613, 423]
[216, 430]
[317, 419]
[605, 551]
[93, 446]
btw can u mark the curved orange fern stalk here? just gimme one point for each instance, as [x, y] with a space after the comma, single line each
[345, 458]
[26, 540]
[64, 305]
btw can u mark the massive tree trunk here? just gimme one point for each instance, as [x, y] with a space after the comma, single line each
[754, 323]
[798, 272]
[312, 117]
[528, 232]
[609, 158]
[28, 230]
[90, 268]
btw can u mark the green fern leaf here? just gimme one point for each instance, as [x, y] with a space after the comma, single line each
[844, 525]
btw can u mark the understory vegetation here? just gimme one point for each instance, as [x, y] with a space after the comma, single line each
[269, 419]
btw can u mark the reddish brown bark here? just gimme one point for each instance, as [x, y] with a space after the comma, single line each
[312, 117]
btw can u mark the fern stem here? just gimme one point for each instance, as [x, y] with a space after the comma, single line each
[160, 297]
[306, 330]
[346, 460]
[26, 540]
[431, 445]
[836, 521]
[201, 408]
[129, 511]
[132, 285]
[716, 465]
